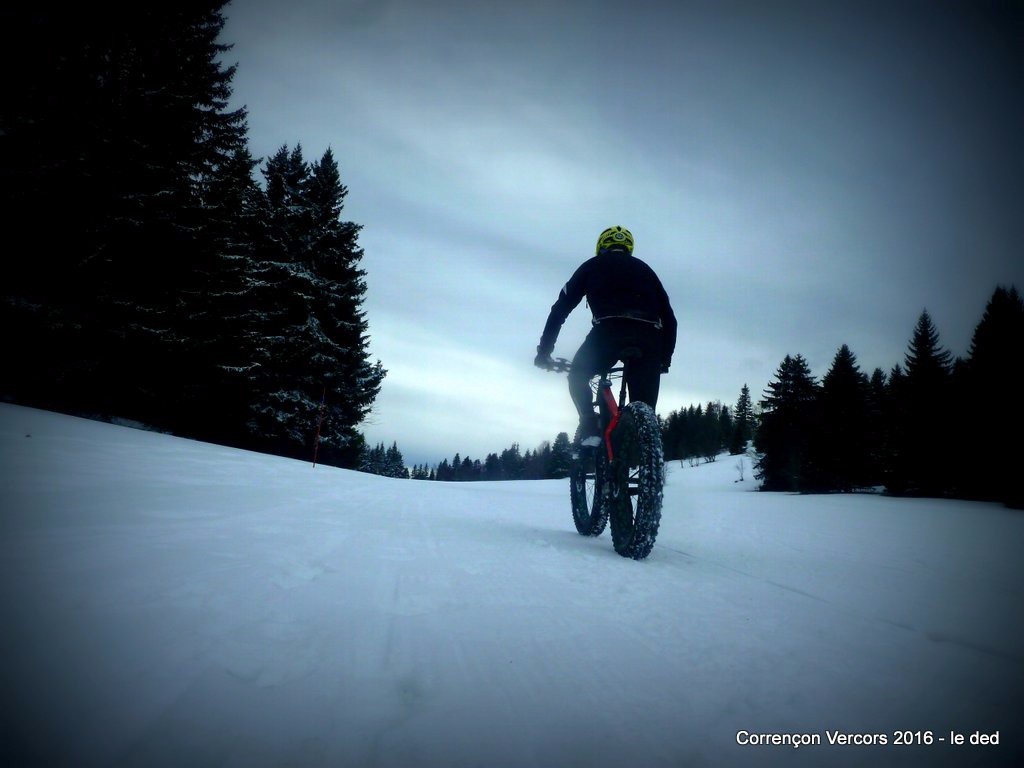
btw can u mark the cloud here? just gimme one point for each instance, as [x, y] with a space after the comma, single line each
[441, 393]
[800, 176]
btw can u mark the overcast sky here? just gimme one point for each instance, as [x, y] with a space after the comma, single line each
[800, 174]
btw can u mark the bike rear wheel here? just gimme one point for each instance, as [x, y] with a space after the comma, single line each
[635, 481]
[586, 489]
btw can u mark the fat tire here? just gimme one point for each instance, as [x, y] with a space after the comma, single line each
[587, 481]
[637, 448]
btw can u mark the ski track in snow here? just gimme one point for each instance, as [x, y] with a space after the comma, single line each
[169, 602]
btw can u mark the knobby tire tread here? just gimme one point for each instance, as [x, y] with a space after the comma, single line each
[637, 446]
[589, 510]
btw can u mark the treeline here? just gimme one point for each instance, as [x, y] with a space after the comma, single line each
[934, 426]
[549, 461]
[702, 432]
[156, 279]
[387, 462]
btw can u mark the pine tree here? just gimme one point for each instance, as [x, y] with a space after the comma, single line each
[896, 426]
[536, 463]
[512, 465]
[669, 436]
[725, 428]
[120, 124]
[839, 448]
[743, 423]
[689, 433]
[879, 451]
[394, 463]
[492, 467]
[312, 336]
[925, 358]
[374, 460]
[530, 466]
[923, 462]
[992, 374]
[561, 457]
[786, 422]
[710, 440]
[214, 397]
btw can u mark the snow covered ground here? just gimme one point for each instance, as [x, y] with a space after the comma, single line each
[168, 602]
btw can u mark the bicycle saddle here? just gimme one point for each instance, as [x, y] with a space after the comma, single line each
[630, 353]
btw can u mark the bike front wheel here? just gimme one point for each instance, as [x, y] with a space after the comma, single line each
[635, 481]
[587, 489]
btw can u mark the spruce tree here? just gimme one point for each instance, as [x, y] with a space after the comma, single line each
[310, 335]
[992, 374]
[896, 425]
[839, 448]
[684, 433]
[725, 428]
[669, 431]
[512, 465]
[394, 463]
[118, 125]
[925, 443]
[215, 398]
[743, 423]
[925, 358]
[788, 414]
[531, 466]
[374, 460]
[492, 467]
[879, 452]
[710, 440]
[541, 462]
[561, 457]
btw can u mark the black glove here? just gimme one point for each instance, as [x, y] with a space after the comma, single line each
[543, 360]
[665, 366]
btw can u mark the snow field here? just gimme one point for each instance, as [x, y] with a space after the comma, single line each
[169, 602]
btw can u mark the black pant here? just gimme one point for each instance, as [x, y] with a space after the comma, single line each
[600, 351]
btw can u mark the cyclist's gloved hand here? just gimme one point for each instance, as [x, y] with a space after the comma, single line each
[543, 360]
[665, 366]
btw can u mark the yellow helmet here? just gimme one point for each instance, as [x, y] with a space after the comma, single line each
[615, 236]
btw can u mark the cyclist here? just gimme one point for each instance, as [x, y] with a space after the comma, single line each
[630, 309]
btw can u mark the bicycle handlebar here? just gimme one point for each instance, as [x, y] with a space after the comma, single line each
[561, 365]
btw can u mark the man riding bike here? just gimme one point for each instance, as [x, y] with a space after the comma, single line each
[630, 309]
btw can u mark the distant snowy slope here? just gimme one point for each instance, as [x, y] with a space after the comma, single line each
[168, 602]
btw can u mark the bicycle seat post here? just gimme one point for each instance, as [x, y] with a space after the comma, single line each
[627, 356]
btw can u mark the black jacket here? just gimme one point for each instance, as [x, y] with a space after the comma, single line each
[615, 284]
